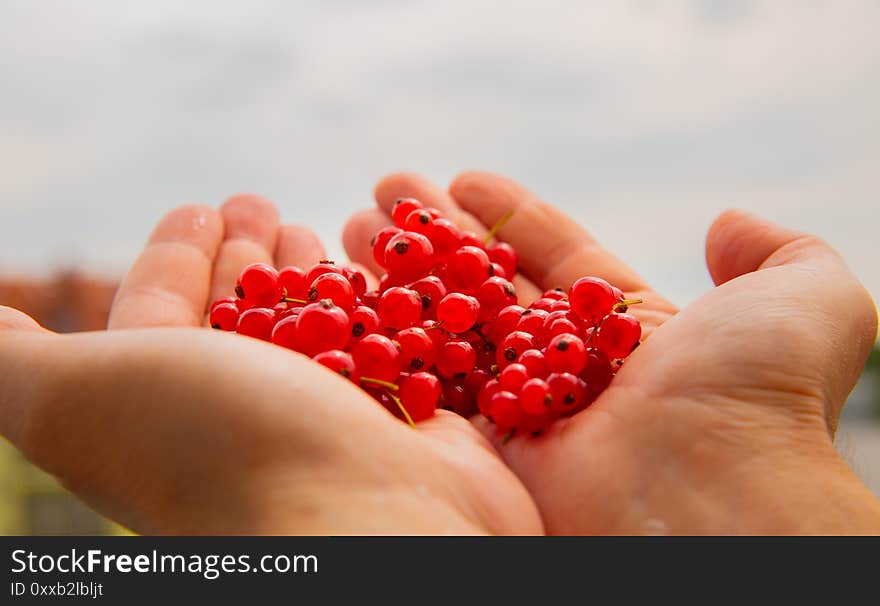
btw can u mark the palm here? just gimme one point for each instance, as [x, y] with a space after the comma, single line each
[170, 286]
[640, 457]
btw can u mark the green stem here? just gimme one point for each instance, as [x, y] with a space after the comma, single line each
[380, 383]
[402, 409]
[498, 225]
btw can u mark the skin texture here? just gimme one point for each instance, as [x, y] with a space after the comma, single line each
[722, 422]
[715, 424]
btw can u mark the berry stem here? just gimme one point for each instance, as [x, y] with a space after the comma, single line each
[291, 300]
[509, 435]
[627, 303]
[380, 383]
[402, 409]
[498, 225]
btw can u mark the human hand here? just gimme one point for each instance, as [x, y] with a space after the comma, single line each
[169, 428]
[722, 421]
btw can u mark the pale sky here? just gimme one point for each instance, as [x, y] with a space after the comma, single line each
[642, 119]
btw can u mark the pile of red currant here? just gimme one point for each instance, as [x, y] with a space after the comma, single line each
[444, 327]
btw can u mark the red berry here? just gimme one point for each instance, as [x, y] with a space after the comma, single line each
[566, 353]
[566, 391]
[222, 300]
[419, 394]
[445, 237]
[534, 397]
[419, 221]
[496, 271]
[380, 241]
[292, 281]
[416, 348]
[370, 299]
[334, 287]
[484, 398]
[457, 399]
[256, 322]
[475, 381]
[591, 299]
[559, 326]
[223, 316]
[504, 410]
[468, 267]
[543, 304]
[495, 294]
[554, 294]
[469, 238]
[339, 362]
[456, 359]
[532, 322]
[512, 346]
[513, 377]
[284, 332]
[377, 357]
[505, 322]
[357, 280]
[258, 284]
[535, 362]
[618, 335]
[431, 290]
[364, 321]
[322, 326]
[409, 256]
[458, 312]
[504, 255]
[320, 268]
[402, 208]
[399, 308]
[597, 374]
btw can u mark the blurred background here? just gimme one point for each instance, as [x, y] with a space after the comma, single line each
[643, 119]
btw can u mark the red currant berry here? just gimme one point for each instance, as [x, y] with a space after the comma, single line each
[380, 241]
[591, 299]
[504, 255]
[554, 294]
[457, 399]
[416, 348]
[532, 322]
[431, 290]
[256, 322]
[357, 280]
[475, 381]
[618, 335]
[504, 410]
[364, 321]
[402, 208]
[320, 268]
[496, 271]
[258, 284]
[566, 391]
[468, 267]
[284, 333]
[560, 305]
[535, 362]
[469, 238]
[456, 359]
[566, 353]
[222, 300]
[458, 312]
[292, 281]
[370, 299]
[339, 362]
[334, 287]
[542, 304]
[419, 394]
[535, 398]
[322, 326]
[445, 237]
[377, 357]
[399, 308]
[505, 322]
[513, 377]
[495, 294]
[224, 316]
[419, 221]
[597, 374]
[512, 346]
[559, 326]
[409, 256]
[484, 398]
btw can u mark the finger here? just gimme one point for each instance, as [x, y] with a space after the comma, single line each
[400, 185]
[357, 237]
[168, 284]
[298, 245]
[251, 235]
[554, 251]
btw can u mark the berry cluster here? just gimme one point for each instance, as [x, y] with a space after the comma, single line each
[444, 327]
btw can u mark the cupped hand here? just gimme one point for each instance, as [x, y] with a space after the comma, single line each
[722, 422]
[167, 427]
